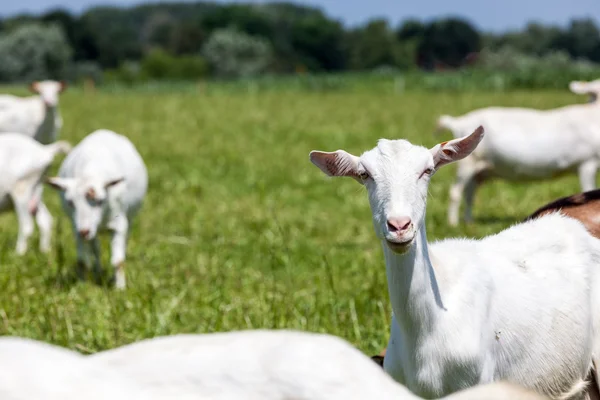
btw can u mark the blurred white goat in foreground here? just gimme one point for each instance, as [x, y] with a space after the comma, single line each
[470, 312]
[23, 164]
[524, 144]
[103, 182]
[249, 365]
[32, 370]
[35, 116]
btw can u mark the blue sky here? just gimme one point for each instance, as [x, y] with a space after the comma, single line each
[488, 15]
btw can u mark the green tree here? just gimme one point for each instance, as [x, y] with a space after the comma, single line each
[535, 39]
[158, 64]
[374, 45]
[186, 38]
[34, 51]
[411, 29]
[582, 39]
[78, 34]
[448, 41]
[116, 35]
[158, 30]
[234, 54]
[318, 43]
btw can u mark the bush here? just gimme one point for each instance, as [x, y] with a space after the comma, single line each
[508, 59]
[234, 54]
[127, 73]
[83, 70]
[34, 51]
[159, 64]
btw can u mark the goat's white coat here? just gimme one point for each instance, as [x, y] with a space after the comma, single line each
[517, 306]
[109, 166]
[524, 144]
[35, 370]
[35, 116]
[23, 163]
[262, 365]
[249, 365]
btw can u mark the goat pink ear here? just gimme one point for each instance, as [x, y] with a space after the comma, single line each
[336, 163]
[456, 149]
[113, 183]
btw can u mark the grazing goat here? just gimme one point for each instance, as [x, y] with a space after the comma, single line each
[103, 182]
[35, 116]
[266, 365]
[525, 144]
[469, 312]
[35, 370]
[251, 365]
[23, 163]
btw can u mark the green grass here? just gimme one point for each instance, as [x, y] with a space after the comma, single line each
[239, 230]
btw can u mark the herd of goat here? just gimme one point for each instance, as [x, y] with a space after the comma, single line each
[509, 316]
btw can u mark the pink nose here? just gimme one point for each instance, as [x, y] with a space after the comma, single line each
[84, 233]
[398, 225]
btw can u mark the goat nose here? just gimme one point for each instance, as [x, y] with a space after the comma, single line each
[398, 224]
[84, 233]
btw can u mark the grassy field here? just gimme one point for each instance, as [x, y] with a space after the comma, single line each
[239, 230]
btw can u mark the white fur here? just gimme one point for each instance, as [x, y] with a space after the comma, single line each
[35, 116]
[103, 182]
[261, 365]
[35, 370]
[250, 365]
[518, 306]
[525, 144]
[23, 163]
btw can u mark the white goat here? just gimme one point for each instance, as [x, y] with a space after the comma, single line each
[524, 144]
[35, 116]
[265, 365]
[23, 163]
[103, 182]
[519, 306]
[35, 370]
[251, 365]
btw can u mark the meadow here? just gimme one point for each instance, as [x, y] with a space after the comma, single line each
[239, 230]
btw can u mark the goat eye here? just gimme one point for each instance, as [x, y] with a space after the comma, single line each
[364, 175]
[428, 171]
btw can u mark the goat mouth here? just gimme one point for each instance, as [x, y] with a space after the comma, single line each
[399, 247]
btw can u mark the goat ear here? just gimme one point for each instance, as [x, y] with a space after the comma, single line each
[578, 87]
[57, 183]
[63, 86]
[33, 87]
[456, 149]
[113, 182]
[592, 89]
[336, 163]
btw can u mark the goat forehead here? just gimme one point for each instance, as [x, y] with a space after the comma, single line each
[83, 186]
[394, 155]
[48, 86]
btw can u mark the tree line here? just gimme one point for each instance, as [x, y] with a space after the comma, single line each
[188, 40]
